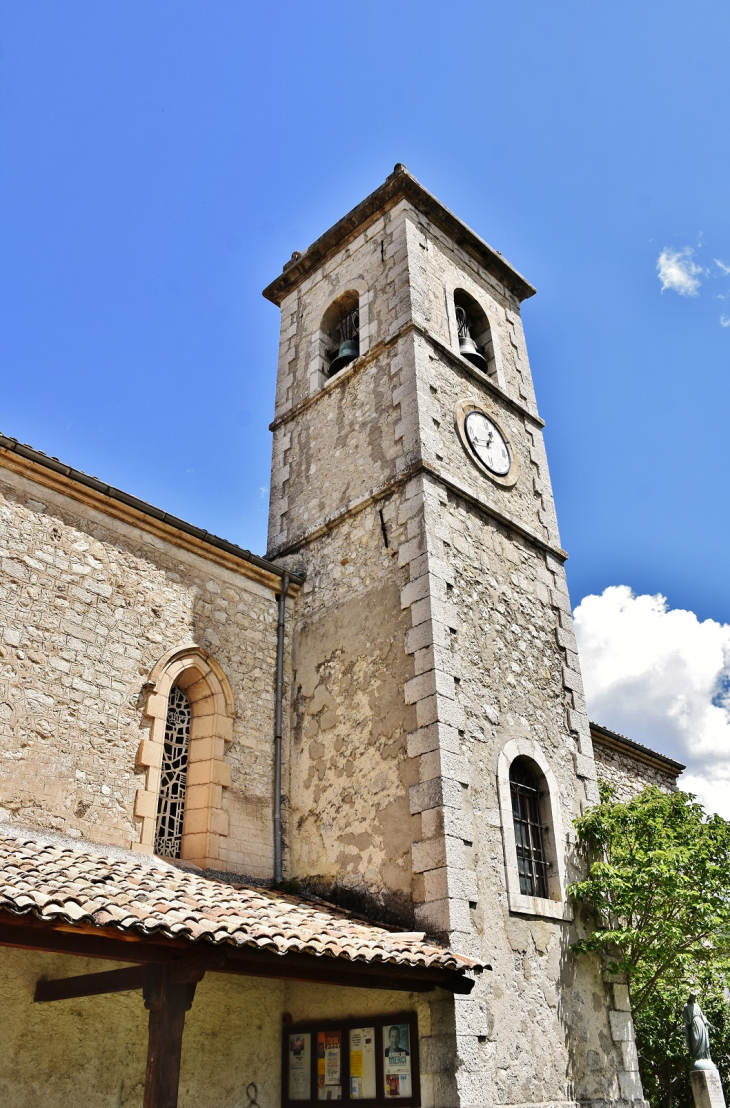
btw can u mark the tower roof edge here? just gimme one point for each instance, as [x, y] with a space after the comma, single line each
[399, 184]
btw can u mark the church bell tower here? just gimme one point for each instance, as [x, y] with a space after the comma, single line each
[439, 746]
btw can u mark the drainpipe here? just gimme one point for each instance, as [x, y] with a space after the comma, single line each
[278, 873]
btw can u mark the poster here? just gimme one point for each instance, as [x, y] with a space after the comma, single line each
[300, 1057]
[362, 1063]
[397, 1060]
[329, 1065]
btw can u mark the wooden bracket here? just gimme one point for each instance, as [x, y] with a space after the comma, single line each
[168, 990]
[181, 972]
[91, 984]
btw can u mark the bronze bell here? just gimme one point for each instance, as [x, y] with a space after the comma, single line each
[350, 343]
[467, 347]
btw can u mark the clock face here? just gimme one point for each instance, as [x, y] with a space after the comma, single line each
[487, 442]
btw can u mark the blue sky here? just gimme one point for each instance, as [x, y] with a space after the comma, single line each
[160, 161]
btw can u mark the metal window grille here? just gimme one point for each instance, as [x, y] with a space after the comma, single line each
[171, 802]
[532, 863]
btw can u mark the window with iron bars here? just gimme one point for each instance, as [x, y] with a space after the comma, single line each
[532, 863]
[173, 776]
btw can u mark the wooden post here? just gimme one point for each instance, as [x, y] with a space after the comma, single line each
[168, 995]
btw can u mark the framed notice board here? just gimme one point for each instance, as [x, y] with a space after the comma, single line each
[372, 1060]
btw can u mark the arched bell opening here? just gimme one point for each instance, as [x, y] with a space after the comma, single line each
[475, 334]
[340, 333]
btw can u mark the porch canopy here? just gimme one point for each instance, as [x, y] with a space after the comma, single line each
[173, 925]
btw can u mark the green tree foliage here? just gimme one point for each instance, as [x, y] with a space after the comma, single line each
[658, 888]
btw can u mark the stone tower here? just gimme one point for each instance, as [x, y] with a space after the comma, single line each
[435, 682]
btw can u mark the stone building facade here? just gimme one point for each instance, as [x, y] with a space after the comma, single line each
[413, 613]
[629, 767]
[432, 642]
[98, 599]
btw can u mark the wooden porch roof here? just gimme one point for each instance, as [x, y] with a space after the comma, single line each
[131, 907]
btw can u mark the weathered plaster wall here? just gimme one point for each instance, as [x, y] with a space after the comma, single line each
[93, 1051]
[628, 775]
[88, 605]
[344, 445]
[374, 264]
[349, 824]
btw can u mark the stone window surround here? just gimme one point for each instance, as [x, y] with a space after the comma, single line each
[317, 378]
[491, 309]
[205, 821]
[557, 907]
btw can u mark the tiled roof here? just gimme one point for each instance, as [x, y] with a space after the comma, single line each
[75, 884]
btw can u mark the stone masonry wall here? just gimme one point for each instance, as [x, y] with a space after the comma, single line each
[628, 775]
[331, 450]
[438, 266]
[490, 666]
[496, 662]
[485, 623]
[88, 605]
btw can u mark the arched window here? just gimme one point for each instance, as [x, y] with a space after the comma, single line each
[526, 793]
[173, 776]
[181, 807]
[475, 334]
[532, 831]
[340, 333]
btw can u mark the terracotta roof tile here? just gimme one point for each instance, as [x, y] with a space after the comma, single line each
[137, 894]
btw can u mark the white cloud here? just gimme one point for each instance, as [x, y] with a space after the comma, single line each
[725, 320]
[725, 269]
[661, 677]
[677, 271]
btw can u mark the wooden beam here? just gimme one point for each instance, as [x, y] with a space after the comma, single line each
[27, 932]
[331, 975]
[91, 984]
[168, 996]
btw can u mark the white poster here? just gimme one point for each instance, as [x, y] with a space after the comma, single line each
[362, 1063]
[397, 1060]
[300, 1067]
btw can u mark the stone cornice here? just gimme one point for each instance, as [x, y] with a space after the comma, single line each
[389, 486]
[477, 375]
[49, 472]
[379, 348]
[399, 185]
